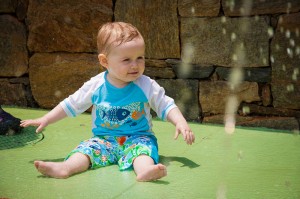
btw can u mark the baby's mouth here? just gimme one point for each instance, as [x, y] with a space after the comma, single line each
[133, 73]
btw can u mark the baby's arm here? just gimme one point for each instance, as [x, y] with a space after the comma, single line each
[176, 118]
[53, 116]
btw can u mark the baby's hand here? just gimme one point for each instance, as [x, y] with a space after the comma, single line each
[186, 132]
[41, 123]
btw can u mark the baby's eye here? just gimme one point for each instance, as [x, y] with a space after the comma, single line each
[126, 60]
[141, 58]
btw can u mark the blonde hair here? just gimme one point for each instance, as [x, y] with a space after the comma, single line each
[113, 34]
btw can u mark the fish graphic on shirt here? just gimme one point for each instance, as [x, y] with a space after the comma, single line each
[136, 115]
[116, 115]
[110, 126]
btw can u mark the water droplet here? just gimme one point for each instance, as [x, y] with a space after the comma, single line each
[283, 67]
[287, 33]
[224, 31]
[261, 50]
[292, 42]
[58, 94]
[223, 19]
[221, 192]
[277, 47]
[230, 110]
[298, 50]
[281, 29]
[242, 11]
[242, 46]
[193, 10]
[240, 155]
[290, 88]
[270, 32]
[280, 20]
[264, 61]
[294, 77]
[233, 36]
[187, 56]
[58, 59]
[290, 52]
[67, 19]
[289, 6]
[295, 74]
[234, 57]
[246, 110]
[230, 4]
[235, 77]
[272, 59]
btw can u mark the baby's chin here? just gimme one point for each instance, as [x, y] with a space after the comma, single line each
[134, 76]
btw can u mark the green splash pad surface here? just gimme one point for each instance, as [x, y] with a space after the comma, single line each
[251, 163]
[26, 137]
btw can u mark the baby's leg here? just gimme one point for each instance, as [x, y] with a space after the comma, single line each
[77, 163]
[146, 170]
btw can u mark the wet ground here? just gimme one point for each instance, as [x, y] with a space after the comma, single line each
[251, 163]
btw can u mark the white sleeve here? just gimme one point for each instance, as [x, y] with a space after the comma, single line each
[81, 100]
[155, 94]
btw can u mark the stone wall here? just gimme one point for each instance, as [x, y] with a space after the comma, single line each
[196, 49]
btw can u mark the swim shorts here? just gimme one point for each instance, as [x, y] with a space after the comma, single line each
[108, 150]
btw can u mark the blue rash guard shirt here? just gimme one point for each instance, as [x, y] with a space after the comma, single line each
[120, 111]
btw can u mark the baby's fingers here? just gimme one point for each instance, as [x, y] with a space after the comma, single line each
[24, 123]
[176, 134]
[40, 128]
[189, 137]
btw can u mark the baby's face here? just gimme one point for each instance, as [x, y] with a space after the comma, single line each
[126, 62]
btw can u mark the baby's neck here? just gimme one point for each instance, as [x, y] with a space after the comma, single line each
[116, 82]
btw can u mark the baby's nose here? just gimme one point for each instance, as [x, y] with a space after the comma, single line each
[134, 64]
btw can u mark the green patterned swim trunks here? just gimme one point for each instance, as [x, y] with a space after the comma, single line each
[108, 150]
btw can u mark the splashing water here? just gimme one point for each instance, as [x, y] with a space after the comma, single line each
[58, 94]
[230, 111]
[290, 87]
[246, 110]
[295, 74]
[193, 10]
[187, 56]
[270, 32]
[221, 192]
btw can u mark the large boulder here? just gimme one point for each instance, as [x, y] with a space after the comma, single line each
[196, 8]
[13, 50]
[214, 95]
[66, 25]
[286, 63]
[221, 41]
[259, 7]
[158, 23]
[284, 123]
[54, 76]
[185, 94]
[12, 93]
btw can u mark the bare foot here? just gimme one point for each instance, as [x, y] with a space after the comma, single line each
[52, 169]
[153, 172]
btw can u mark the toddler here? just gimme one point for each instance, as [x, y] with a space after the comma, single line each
[121, 98]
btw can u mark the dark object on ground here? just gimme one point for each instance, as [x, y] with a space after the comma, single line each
[9, 125]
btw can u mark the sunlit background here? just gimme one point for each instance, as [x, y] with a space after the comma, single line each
[229, 62]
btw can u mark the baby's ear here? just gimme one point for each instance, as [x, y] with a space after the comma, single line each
[103, 60]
